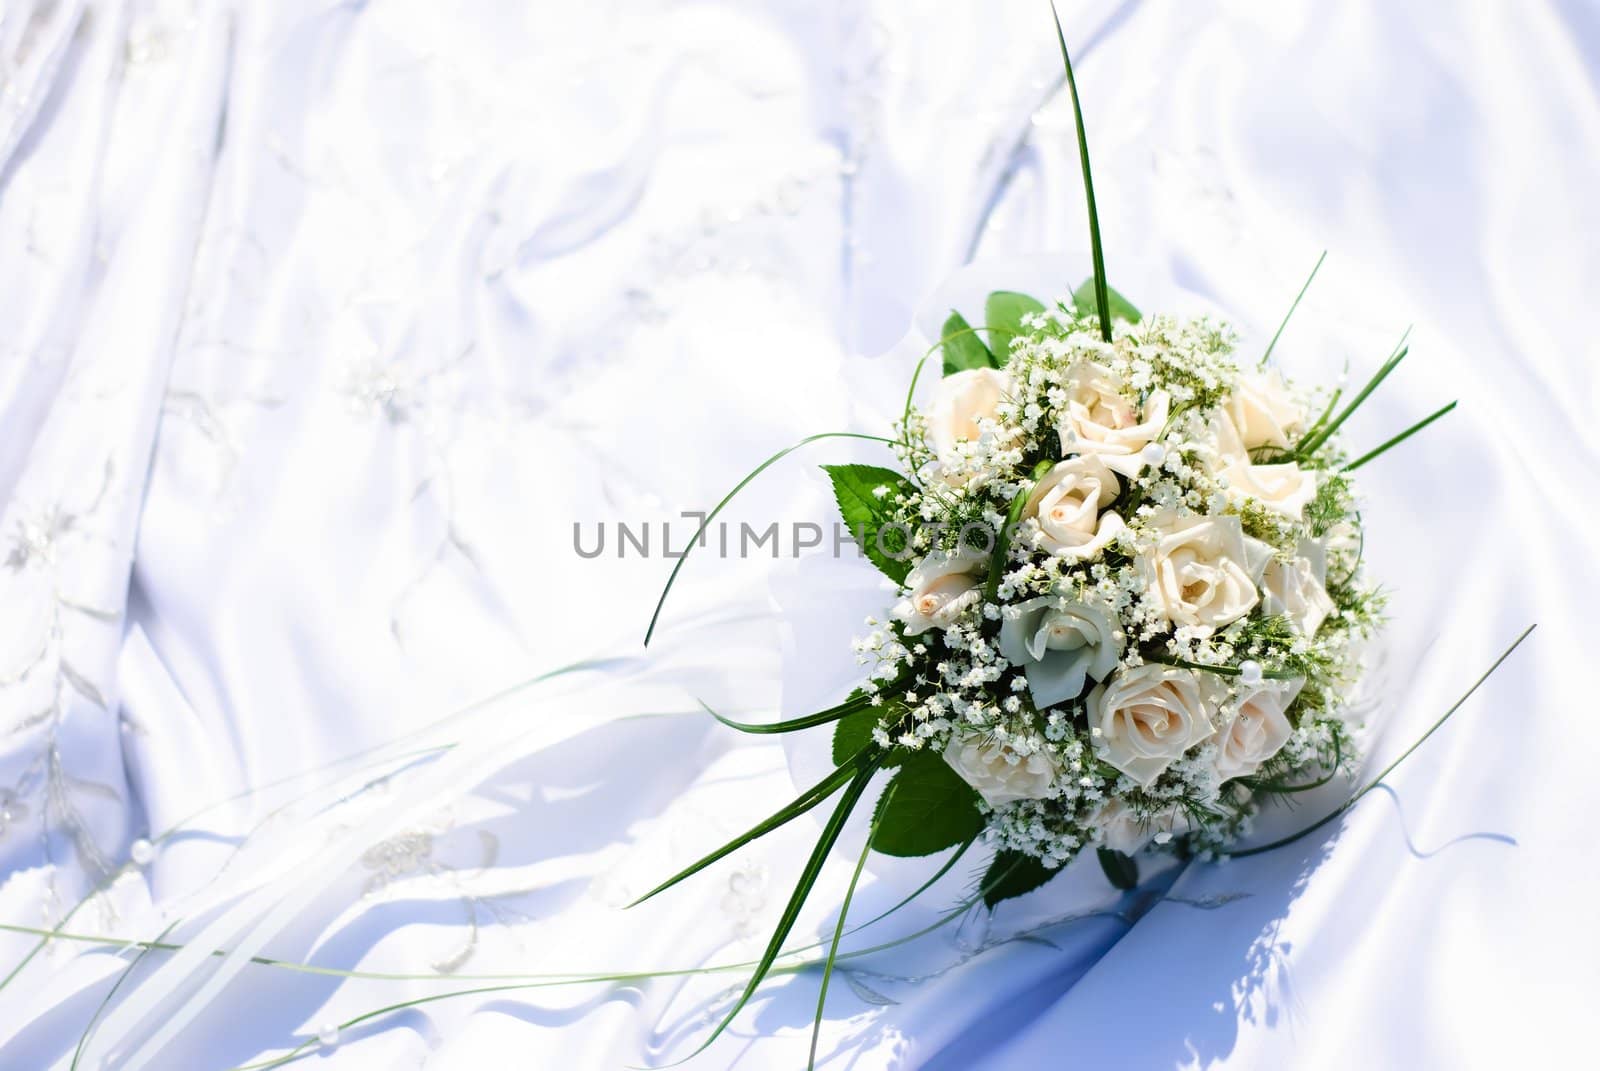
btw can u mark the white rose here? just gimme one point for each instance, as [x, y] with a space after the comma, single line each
[999, 772]
[1148, 717]
[1100, 419]
[1258, 728]
[1283, 486]
[960, 403]
[940, 587]
[1295, 588]
[1066, 504]
[1263, 410]
[1203, 571]
[1058, 644]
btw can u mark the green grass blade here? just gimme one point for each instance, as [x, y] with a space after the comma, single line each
[304, 1048]
[1398, 439]
[1002, 539]
[833, 948]
[802, 889]
[1389, 769]
[809, 721]
[803, 803]
[1279, 332]
[1102, 297]
[949, 864]
[1278, 789]
[1327, 413]
[1312, 443]
[100, 1009]
[740, 486]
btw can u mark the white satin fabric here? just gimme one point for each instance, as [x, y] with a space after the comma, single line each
[324, 323]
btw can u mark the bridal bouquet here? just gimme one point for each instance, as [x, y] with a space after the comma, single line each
[1130, 597]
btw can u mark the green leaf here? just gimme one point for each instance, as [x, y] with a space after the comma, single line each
[1083, 301]
[853, 733]
[865, 513]
[1013, 874]
[1003, 312]
[930, 808]
[1121, 868]
[963, 349]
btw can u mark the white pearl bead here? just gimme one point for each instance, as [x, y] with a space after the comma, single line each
[141, 852]
[1153, 454]
[328, 1035]
[1250, 671]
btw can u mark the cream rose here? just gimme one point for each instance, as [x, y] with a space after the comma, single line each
[940, 586]
[1203, 571]
[960, 403]
[1257, 728]
[999, 772]
[1059, 645]
[1263, 410]
[1147, 717]
[1102, 420]
[1283, 486]
[1066, 505]
[1295, 588]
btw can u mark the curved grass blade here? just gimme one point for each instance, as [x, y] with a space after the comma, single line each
[100, 1009]
[833, 949]
[1389, 769]
[1398, 439]
[305, 1047]
[1280, 789]
[740, 486]
[1279, 332]
[1102, 298]
[45, 936]
[809, 721]
[950, 863]
[803, 803]
[532, 979]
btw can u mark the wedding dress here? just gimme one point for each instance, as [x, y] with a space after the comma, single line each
[333, 331]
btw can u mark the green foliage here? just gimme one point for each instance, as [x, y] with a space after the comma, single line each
[866, 512]
[1083, 300]
[1013, 874]
[928, 808]
[963, 349]
[1003, 312]
[1122, 870]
